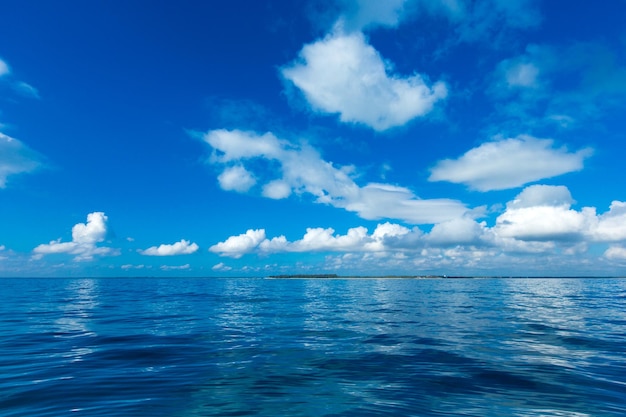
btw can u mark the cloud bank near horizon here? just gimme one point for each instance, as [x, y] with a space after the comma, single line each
[539, 220]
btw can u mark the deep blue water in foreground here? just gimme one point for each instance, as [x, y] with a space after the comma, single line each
[312, 347]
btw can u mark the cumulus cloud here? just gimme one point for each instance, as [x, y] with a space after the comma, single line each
[343, 74]
[236, 178]
[184, 247]
[316, 239]
[543, 213]
[387, 239]
[538, 224]
[277, 189]
[461, 231]
[301, 171]
[15, 158]
[611, 226]
[85, 237]
[509, 163]
[237, 246]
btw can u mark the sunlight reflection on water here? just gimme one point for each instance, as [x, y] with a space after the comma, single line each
[215, 347]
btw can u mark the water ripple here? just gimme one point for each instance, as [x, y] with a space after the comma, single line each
[254, 347]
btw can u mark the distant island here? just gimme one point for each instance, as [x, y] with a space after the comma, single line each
[331, 276]
[357, 276]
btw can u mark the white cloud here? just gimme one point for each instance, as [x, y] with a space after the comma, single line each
[20, 87]
[15, 158]
[522, 75]
[489, 21]
[615, 253]
[175, 267]
[184, 247]
[221, 267]
[543, 213]
[375, 201]
[26, 89]
[319, 239]
[237, 246]
[461, 231]
[611, 226]
[316, 239]
[343, 74]
[509, 163]
[232, 145]
[361, 14]
[303, 171]
[4, 68]
[85, 238]
[236, 178]
[541, 223]
[530, 88]
[542, 195]
[538, 224]
[277, 189]
[126, 267]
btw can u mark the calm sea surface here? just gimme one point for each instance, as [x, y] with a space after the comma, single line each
[312, 347]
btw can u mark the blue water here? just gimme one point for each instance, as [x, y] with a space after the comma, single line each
[312, 347]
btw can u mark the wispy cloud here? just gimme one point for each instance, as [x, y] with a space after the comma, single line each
[175, 267]
[20, 87]
[559, 85]
[16, 158]
[4, 68]
[358, 15]
[302, 171]
[26, 90]
[127, 267]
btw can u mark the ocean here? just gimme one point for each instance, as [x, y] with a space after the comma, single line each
[312, 347]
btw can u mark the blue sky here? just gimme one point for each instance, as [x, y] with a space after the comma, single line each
[249, 138]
